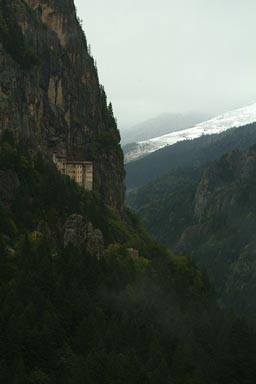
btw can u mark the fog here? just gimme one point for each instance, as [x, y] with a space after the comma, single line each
[172, 55]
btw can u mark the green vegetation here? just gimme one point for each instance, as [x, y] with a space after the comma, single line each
[166, 205]
[12, 39]
[67, 317]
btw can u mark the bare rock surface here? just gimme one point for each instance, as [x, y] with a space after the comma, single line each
[80, 234]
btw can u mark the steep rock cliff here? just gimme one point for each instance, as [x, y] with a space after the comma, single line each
[221, 236]
[209, 214]
[50, 95]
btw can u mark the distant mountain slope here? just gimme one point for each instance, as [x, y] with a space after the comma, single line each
[161, 125]
[236, 118]
[210, 215]
[188, 153]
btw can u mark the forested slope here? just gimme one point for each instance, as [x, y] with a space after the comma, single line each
[68, 314]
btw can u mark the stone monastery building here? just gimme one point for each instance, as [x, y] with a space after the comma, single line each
[78, 170]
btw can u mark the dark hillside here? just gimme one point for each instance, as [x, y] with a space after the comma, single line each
[73, 298]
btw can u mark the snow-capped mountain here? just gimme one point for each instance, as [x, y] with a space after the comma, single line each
[235, 118]
[161, 125]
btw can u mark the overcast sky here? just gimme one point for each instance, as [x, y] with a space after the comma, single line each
[157, 56]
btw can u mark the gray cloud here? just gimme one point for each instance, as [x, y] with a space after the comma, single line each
[172, 55]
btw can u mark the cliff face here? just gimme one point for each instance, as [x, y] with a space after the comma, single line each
[50, 95]
[222, 235]
[209, 214]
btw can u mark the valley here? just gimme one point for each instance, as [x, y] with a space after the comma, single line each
[155, 289]
[208, 212]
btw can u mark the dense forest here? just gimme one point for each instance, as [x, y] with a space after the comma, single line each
[166, 204]
[70, 317]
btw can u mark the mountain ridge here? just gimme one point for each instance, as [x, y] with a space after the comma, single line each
[187, 153]
[231, 119]
[160, 125]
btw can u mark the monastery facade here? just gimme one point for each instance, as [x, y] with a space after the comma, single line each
[78, 170]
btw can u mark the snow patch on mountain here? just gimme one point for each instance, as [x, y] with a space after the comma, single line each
[232, 119]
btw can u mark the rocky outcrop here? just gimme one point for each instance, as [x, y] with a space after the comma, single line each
[216, 192]
[75, 231]
[80, 234]
[50, 95]
[95, 242]
[191, 236]
[221, 237]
